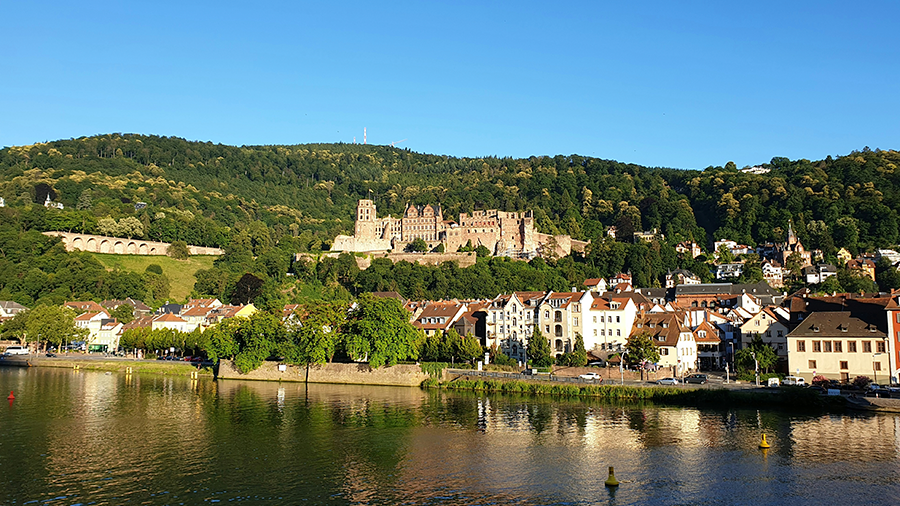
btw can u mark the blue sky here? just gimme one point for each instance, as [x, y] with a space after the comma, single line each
[676, 84]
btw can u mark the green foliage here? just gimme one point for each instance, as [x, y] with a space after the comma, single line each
[538, 350]
[154, 268]
[641, 349]
[123, 313]
[418, 245]
[379, 330]
[434, 369]
[316, 333]
[178, 250]
[764, 355]
[53, 325]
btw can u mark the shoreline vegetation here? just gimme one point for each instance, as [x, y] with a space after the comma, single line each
[788, 398]
[791, 398]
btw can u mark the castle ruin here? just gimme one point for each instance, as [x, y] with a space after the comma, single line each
[508, 234]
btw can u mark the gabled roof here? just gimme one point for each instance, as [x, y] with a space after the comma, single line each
[169, 318]
[90, 315]
[664, 328]
[840, 324]
[11, 306]
[197, 311]
[712, 333]
[84, 305]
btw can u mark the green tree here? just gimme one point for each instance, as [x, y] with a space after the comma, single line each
[178, 250]
[418, 245]
[379, 331]
[764, 355]
[123, 313]
[641, 349]
[579, 353]
[316, 334]
[53, 325]
[538, 350]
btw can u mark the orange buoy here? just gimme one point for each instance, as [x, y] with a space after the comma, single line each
[11, 396]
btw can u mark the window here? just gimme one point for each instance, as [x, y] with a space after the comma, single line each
[618, 333]
[602, 319]
[851, 346]
[801, 345]
[618, 319]
[595, 332]
[547, 314]
[664, 351]
[879, 347]
[575, 321]
[558, 330]
[768, 333]
[595, 319]
[547, 328]
[780, 333]
[812, 364]
[557, 317]
[867, 346]
[817, 346]
[844, 364]
[838, 347]
[603, 332]
[876, 366]
[827, 345]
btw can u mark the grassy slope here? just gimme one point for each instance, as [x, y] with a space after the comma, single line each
[180, 272]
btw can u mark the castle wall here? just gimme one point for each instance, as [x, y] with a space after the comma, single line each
[122, 245]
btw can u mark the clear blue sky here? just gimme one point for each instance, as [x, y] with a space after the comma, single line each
[677, 84]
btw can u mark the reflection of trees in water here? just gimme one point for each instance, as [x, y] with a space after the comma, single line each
[353, 446]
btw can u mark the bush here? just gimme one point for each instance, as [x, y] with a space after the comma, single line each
[178, 250]
[862, 382]
[820, 381]
[154, 268]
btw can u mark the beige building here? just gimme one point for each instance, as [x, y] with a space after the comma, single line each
[509, 234]
[673, 337]
[770, 325]
[840, 345]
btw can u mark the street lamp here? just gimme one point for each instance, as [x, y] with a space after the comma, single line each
[729, 356]
[756, 367]
[621, 365]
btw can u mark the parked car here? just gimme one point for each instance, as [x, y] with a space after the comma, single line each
[697, 378]
[16, 350]
[794, 381]
[667, 381]
[591, 376]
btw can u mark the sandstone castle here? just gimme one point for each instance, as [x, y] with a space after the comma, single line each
[504, 234]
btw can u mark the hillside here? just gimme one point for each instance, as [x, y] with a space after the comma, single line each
[264, 203]
[314, 188]
[180, 273]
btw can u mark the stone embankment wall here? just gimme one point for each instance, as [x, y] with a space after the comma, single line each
[122, 246]
[364, 261]
[350, 374]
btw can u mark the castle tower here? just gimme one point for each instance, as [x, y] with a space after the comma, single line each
[365, 220]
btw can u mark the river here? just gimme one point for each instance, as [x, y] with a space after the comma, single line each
[79, 437]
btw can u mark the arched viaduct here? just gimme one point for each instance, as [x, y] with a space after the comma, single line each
[121, 245]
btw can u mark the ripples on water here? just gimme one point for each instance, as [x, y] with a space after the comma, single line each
[88, 438]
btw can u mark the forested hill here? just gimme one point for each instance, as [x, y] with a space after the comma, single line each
[201, 192]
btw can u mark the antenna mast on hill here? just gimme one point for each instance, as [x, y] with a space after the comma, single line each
[364, 135]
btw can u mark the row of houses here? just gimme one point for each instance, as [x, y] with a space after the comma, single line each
[105, 331]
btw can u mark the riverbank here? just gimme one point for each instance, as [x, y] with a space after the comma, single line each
[99, 363]
[782, 398]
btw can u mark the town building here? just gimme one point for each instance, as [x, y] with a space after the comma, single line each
[840, 345]
[818, 273]
[863, 267]
[673, 337]
[689, 248]
[681, 277]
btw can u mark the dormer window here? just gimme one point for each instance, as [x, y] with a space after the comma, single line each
[815, 328]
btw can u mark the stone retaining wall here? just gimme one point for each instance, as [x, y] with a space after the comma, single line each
[350, 374]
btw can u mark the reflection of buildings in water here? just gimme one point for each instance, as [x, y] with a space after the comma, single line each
[845, 438]
[114, 422]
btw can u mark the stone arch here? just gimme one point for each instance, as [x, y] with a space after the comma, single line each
[78, 243]
[152, 251]
[119, 247]
[143, 249]
[105, 246]
[131, 249]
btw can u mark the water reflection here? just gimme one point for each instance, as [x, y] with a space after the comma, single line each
[91, 437]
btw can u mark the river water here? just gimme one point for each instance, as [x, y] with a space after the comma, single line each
[93, 438]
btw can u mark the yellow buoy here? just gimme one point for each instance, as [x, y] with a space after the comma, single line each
[764, 443]
[612, 481]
